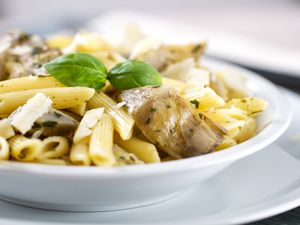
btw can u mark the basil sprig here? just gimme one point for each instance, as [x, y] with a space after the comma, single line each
[81, 69]
[78, 69]
[132, 74]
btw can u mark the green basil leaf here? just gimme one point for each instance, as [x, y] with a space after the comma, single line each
[133, 74]
[78, 69]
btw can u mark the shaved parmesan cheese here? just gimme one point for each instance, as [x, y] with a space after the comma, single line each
[87, 123]
[187, 71]
[6, 129]
[24, 117]
[144, 46]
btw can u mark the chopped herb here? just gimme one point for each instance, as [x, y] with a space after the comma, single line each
[158, 130]
[201, 116]
[58, 115]
[195, 103]
[148, 120]
[122, 157]
[255, 112]
[243, 100]
[36, 125]
[152, 109]
[132, 158]
[196, 48]
[168, 106]
[240, 127]
[49, 123]
[191, 130]
[173, 130]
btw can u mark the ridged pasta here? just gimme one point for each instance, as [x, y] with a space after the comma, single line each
[28, 83]
[231, 119]
[54, 147]
[25, 149]
[204, 99]
[101, 143]
[79, 154]
[253, 106]
[80, 110]
[227, 142]
[142, 149]
[62, 98]
[125, 158]
[4, 149]
[6, 130]
[123, 122]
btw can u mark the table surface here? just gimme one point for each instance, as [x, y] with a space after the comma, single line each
[266, 21]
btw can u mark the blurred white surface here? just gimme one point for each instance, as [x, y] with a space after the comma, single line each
[274, 21]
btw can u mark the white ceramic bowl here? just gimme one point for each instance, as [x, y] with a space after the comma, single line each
[74, 188]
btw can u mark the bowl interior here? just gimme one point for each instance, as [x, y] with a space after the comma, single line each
[272, 123]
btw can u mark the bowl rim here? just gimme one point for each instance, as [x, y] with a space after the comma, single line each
[265, 137]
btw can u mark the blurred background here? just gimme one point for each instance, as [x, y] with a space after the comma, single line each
[274, 21]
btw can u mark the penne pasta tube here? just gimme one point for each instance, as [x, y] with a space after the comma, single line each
[227, 142]
[28, 83]
[79, 154]
[6, 130]
[54, 147]
[125, 158]
[80, 110]
[101, 143]
[123, 122]
[142, 149]
[62, 98]
[25, 149]
[204, 99]
[4, 149]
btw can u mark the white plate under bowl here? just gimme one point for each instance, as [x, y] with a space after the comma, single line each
[261, 185]
[74, 188]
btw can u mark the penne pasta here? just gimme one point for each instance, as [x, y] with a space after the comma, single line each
[80, 110]
[28, 83]
[142, 149]
[86, 125]
[125, 158]
[62, 98]
[101, 143]
[54, 147]
[253, 106]
[204, 99]
[25, 149]
[231, 119]
[4, 149]
[170, 103]
[79, 154]
[227, 142]
[248, 130]
[6, 130]
[123, 122]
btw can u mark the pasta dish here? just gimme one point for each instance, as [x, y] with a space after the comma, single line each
[90, 101]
